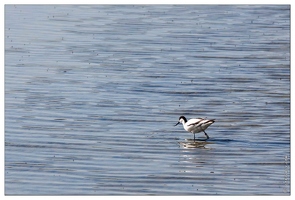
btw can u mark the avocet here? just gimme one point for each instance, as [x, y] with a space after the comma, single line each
[195, 125]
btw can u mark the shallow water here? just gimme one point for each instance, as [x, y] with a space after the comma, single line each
[92, 94]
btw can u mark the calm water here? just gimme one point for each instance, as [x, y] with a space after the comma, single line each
[92, 94]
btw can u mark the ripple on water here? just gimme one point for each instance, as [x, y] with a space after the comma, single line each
[90, 106]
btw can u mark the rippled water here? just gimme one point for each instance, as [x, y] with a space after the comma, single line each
[92, 94]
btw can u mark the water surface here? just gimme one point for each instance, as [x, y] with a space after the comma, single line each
[92, 94]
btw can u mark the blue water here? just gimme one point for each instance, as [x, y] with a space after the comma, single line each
[92, 94]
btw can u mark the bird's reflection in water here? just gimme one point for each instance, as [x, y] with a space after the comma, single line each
[194, 144]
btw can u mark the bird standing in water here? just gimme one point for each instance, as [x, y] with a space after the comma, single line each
[195, 125]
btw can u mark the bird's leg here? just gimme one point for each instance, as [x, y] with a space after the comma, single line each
[194, 136]
[206, 135]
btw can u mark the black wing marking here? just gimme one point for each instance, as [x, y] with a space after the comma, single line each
[201, 122]
[197, 123]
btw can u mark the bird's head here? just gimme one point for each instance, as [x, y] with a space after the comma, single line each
[182, 120]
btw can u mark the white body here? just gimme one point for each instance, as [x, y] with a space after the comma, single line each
[196, 125]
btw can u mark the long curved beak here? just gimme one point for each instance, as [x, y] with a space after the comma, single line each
[177, 123]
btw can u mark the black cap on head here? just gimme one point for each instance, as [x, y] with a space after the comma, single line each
[183, 117]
